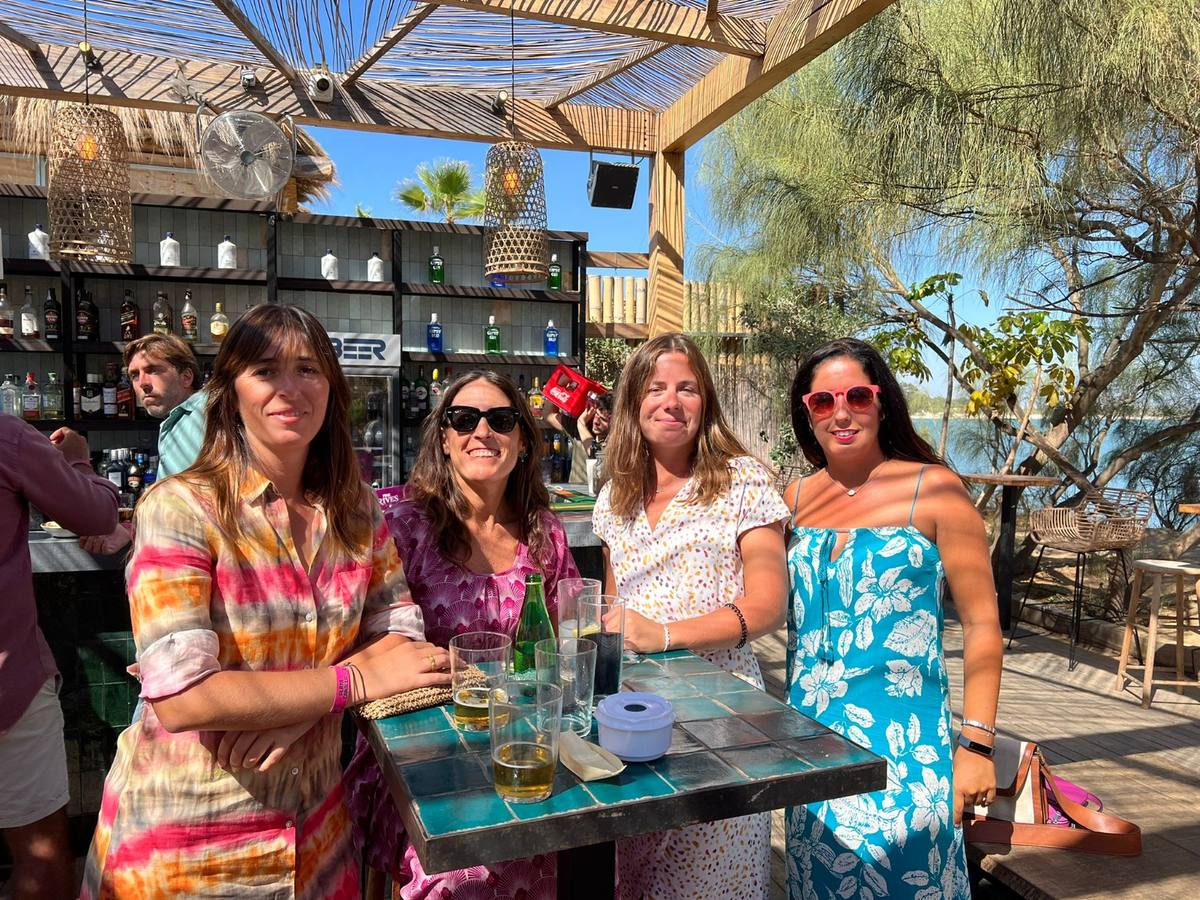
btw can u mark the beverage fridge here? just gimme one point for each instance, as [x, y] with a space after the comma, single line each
[372, 366]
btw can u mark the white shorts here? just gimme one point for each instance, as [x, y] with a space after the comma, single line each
[33, 762]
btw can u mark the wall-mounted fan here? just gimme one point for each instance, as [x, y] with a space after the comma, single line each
[246, 154]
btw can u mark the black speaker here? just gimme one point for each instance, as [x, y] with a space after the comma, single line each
[612, 184]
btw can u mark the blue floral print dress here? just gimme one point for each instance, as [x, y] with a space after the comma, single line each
[865, 659]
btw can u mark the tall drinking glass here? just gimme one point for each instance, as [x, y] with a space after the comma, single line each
[525, 719]
[602, 619]
[571, 664]
[479, 660]
[568, 594]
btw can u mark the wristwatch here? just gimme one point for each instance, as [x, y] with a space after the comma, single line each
[976, 746]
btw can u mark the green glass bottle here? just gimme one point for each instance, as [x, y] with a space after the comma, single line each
[533, 626]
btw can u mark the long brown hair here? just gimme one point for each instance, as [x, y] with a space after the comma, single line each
[627, 455]
[331, 475]
[433, 485]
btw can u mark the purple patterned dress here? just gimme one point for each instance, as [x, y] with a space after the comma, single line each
[453, 601]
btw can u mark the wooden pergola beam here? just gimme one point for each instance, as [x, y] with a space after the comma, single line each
[19, 38]
[659, 20]
[712, 11]
[151, 82]
[798, 34]
[612, 70]
[395, 35]
[243, 24]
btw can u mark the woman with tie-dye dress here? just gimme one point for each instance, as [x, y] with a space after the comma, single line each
[265, 595]
[879, 529]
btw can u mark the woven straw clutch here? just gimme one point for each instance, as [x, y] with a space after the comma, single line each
[420, 698]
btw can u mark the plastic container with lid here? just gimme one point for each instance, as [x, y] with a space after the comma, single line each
[635, 726]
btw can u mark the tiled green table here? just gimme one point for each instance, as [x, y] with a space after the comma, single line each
[735, 751]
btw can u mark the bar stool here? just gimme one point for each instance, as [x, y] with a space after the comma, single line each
[1158, 568]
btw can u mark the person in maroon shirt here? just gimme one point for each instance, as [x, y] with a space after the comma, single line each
[56, 476]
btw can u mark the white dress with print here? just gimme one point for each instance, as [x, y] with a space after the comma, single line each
[688, 565]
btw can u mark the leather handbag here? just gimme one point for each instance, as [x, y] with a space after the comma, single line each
[1033, 808]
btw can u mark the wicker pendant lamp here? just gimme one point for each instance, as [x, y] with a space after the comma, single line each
[515, 201]
[91, 216]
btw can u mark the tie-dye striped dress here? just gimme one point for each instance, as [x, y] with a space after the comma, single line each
[172, 822]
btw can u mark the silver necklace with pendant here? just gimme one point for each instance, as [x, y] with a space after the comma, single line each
[853, 492]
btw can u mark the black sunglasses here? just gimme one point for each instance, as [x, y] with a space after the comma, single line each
[465, 419]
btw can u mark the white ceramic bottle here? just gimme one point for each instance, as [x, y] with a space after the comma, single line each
[375, 268]
[168, 250]
[227, 254]
[39, 243]
[329, 266]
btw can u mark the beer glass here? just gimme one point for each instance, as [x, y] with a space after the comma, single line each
[571, 664]
[525, 719]
[479, 660]
[568, 594]
[602, 619]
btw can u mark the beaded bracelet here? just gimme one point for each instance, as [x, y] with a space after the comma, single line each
[742, 622]
[341, 695]
[666, 637]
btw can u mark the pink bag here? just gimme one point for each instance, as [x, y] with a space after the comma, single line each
[1069, 791]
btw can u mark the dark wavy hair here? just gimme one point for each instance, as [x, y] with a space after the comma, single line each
[433, 485]
[897, 437]
[330, 473]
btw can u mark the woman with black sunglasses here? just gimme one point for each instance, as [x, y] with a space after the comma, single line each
[472, 522]
[878, 531]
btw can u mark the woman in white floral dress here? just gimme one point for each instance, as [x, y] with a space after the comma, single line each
[693, 540]
[878, 530]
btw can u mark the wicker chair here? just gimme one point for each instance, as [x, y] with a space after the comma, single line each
[1108, 519]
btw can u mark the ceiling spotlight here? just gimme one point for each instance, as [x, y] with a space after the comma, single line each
[248, 79]
[500, 103]
[90, 60]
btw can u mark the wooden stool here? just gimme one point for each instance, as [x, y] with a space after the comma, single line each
[1158, 568]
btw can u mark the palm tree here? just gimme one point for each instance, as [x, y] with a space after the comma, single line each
[442, 188]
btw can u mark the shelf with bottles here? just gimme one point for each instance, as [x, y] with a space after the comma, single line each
[491, 359]
[106, 424]
[20, 345]
[29, 268]
[479, 292]
[117, 348]
[335, 287]
[138, 272]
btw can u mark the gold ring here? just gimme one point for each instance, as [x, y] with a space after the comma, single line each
[432, 661]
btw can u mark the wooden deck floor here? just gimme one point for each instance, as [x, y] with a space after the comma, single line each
[1144, 765]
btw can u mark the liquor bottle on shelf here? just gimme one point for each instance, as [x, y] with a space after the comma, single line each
[39, 243]
[405, 398]
[437, 267]
[533, 626]
[189, 321]
[410, 454]
[162, 315]
[375, 268]
[10, 396]
[108, 391]
[91, 403]
[420, 391]
[536, 400]
[554, 277]
[433, 334]
[77, 399]
[134, 472]
[31, 325]
[87, 318]
[329, 265]
[131, 324]
[521, 389]
[52, 317]
[168, 250]
[114, 471]
[150, 473]
[496, 280]
[126, 407]
[7, 316]
[218, 325]
[491, 337]
[52, 398]
[550, 339]
[227, 254]
[435, 390]
[556, 458]
[31, 399]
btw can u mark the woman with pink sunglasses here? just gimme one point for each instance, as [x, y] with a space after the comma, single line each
[879, 529]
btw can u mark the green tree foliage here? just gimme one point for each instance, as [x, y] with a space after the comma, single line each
[443, 188]
[1049, 144]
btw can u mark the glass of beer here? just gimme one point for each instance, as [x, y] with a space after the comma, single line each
[571, 664]
[479, 660]
[525, 719]
[568, 594]
[602, 620]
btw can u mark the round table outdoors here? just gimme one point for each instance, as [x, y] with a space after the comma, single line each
[1010, 487]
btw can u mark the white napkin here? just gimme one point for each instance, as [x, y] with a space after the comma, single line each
[586, 760]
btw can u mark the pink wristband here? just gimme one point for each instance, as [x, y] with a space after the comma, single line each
[341, 696]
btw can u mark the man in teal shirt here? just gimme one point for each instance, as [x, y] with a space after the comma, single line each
[166, 379]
